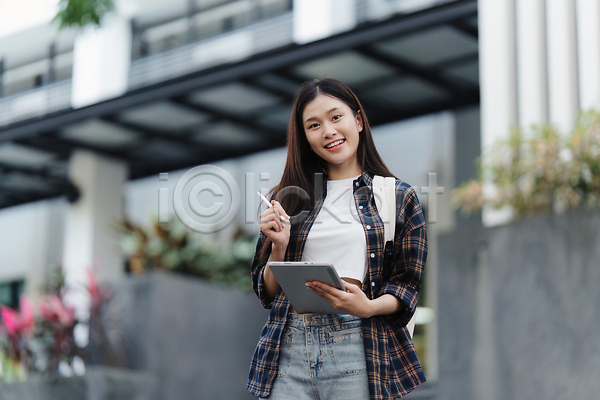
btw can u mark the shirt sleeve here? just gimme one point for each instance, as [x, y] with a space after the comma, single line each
[258, 267]
[403, 278]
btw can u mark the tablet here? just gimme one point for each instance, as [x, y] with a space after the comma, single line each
[292, 277]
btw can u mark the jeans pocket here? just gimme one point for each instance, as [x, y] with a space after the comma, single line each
[285, 352]
[347, 350]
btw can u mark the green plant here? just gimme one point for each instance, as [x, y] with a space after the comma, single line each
[80, 13]
[16, 331]
[32, 343]
[173, 247]
[583, 183]
[538, 170]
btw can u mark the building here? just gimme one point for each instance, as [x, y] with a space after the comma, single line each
[94, 125]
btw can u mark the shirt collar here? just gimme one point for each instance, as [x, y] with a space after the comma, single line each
[365, 179]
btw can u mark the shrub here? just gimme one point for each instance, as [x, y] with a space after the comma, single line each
[41, 343]
[173, 247]
[538, 171]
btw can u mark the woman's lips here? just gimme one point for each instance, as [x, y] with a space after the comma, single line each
[337, 146]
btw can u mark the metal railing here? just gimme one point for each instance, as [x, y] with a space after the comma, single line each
[36, 102]
[201, 23]
[225, 48]
[196, 51]
[200, 50]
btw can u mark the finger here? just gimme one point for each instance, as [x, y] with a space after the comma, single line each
[279, 208]
[277, 217]
[314, 288]
[327, 289]
[270, 226]
[268, 217]
[336, 300]
[270, 213]
[324, 295]
[266, 214]
[352, 288]
[316, 291]
[265, 220]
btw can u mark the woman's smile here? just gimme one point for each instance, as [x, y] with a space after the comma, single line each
[335, 145]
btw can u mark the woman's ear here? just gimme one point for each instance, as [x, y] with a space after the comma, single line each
[359, 121]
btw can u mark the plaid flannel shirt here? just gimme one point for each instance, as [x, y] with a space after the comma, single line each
[392, 364]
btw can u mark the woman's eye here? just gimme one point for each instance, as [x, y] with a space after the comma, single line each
[336, 117]
[313, 126]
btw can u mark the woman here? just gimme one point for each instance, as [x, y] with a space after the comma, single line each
[365, 350]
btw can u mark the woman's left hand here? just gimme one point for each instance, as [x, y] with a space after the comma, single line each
[353, 301]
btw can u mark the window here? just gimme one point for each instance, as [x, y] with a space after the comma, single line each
[10, 292]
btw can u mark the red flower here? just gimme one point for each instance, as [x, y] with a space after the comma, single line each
[16, 323]
[11, 319]
[56, 311]
[26, 314]
[92, 288]
[98, 294]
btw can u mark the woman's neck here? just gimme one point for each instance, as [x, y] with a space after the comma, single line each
[337, 172]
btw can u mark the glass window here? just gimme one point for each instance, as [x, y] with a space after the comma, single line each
[10, 292]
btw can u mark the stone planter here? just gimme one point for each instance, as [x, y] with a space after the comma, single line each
[98, 383]
[196, 337]
[519, 310]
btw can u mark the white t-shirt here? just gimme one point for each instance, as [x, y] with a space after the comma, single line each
[337, 235]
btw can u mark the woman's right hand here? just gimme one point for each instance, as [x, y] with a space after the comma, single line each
[279, 233]
[276, 229]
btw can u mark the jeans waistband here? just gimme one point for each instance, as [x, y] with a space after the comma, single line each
[319, 319]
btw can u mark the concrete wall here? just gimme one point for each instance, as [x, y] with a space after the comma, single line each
[467, 150]
[196, 337]
[519, 314]
[99, 383]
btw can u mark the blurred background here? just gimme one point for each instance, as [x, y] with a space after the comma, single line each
[125, 262]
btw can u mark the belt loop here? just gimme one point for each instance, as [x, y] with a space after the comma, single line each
[336, 322]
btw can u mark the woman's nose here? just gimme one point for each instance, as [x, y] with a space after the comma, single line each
[329, 129]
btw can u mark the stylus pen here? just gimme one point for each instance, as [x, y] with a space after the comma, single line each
[270, 205]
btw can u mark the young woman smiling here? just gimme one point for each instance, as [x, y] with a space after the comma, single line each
[364, 351]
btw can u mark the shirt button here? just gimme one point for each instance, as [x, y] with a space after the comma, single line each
[368, 226]
[373, 284]
[372, 255]
[360, 207]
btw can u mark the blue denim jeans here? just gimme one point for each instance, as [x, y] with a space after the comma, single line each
[322, 357]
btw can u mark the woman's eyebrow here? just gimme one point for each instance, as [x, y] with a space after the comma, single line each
[314, 118]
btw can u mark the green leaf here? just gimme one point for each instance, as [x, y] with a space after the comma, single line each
[80, 13]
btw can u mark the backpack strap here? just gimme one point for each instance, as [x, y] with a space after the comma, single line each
[384, 191]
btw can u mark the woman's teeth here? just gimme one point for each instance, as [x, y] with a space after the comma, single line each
[337, 142]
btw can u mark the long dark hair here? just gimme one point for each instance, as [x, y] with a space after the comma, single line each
[302, 163]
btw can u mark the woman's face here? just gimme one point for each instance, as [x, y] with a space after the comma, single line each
[332, 130]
